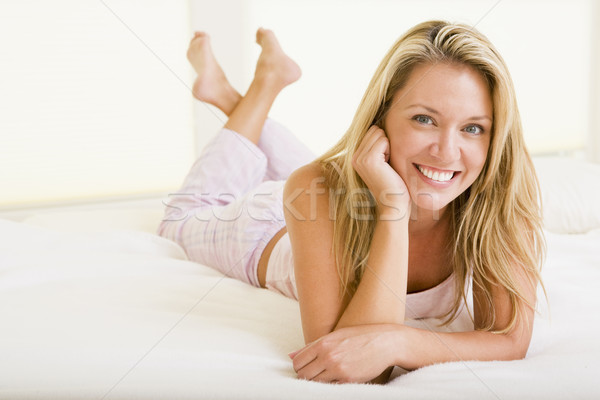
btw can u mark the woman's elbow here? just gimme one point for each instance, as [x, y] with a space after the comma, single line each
[518, 346]
[518, 354]
[521, 351]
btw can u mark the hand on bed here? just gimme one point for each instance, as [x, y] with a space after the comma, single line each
[353, 354]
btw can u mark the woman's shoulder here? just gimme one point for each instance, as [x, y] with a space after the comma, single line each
[307, 173]
[309, 177]
[306, 191]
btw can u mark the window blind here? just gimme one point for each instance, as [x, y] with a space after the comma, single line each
[95, 100]
[547, 46]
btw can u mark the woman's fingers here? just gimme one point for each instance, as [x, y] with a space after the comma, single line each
[327, 377]
[303, 357]
[382, 146]
[367, 163]
[310, 370]
[374, 145]
[308, 366]
[372, 135]
[317, 369]
[353, 354]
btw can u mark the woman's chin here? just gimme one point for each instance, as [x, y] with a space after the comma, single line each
[429, 202]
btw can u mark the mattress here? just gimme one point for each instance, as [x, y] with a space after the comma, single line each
[95, 305]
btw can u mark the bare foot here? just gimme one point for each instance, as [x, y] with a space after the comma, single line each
[211, 85]
[274, 66]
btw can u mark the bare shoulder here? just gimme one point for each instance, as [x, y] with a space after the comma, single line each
[306, 195]
[305, 175]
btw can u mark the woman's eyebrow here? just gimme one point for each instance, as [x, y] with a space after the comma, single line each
[431, 110]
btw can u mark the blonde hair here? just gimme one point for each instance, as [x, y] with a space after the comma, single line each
[496, 223]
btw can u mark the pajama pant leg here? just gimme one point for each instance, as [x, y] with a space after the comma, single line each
[284, 151]
[231, 202]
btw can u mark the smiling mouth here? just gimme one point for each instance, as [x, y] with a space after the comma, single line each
[436, 175]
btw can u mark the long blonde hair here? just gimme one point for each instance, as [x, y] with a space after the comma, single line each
[496, 223]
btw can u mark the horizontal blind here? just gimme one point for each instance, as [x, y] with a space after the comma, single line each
[95, 100]
[546, 44]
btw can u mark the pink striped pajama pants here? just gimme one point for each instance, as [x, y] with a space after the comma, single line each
[231, 202]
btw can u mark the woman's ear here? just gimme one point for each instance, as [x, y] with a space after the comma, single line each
[379, 119]
[378, 122]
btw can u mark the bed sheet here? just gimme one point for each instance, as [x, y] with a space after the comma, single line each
[108, 310]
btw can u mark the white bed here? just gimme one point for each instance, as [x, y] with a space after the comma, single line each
[93, 305]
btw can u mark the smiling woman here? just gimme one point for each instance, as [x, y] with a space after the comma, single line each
[439, 155]
[430, 190]
[447, 104]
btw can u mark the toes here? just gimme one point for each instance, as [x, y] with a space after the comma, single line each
[265, 36]
[200, 34]
[259, 35]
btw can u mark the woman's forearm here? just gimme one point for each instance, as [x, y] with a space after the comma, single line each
[415, 348]
[360, 353]
[381, 294]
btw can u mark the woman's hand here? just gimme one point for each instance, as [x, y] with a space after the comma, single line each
[354, 354]
[371, 163]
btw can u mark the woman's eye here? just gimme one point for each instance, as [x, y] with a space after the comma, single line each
[474, 129]
[423, 119]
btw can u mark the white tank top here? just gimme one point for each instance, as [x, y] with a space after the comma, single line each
[430, 303]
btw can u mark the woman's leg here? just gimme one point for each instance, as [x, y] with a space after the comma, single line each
[283, 150]
[274, 71]
[211, 85]
[206, 216]
[225, 168]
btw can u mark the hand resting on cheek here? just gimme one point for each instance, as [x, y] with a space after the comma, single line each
[387, 187]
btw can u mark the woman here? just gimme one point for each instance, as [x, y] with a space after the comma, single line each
[430, 189]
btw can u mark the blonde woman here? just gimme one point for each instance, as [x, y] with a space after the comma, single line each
[431, 189]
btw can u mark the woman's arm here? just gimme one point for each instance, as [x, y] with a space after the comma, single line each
[381, 294]
[359, 353]
[421, 347]
[306, 210]
[418, 347]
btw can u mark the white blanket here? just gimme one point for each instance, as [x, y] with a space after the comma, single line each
[94, 305]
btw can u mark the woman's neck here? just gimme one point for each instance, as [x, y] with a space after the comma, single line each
[426, 221]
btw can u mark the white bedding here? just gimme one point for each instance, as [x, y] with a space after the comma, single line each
[94, 305]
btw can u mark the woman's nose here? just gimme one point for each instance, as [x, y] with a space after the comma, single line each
[446, 147]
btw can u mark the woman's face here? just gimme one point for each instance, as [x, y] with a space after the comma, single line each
[439, 128]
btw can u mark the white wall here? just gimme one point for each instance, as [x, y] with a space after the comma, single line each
[593, 148]
[94, 103]
[547, 45]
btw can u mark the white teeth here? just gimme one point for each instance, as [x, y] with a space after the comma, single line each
[436, 176]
